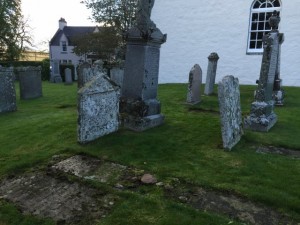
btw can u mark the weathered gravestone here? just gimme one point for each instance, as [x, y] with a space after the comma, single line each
[7, 90]
[230, 111]
[55, 74]
[68, 76]
[83, 74]
[30, 80]
[211, 73]
[116, 75]
[140, 82]
[194, 86]
[262, 116]
[278, 92]
[98, 108]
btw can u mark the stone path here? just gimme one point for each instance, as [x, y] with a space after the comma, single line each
[53, 196]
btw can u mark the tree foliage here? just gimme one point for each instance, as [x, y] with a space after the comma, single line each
[14, 30]
[102, 44]
[117, 13]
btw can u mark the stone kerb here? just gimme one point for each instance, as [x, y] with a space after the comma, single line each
[194, 86]
[8, 101]
[211, 73]
[98, 109]
[30, 81]
[230, 111]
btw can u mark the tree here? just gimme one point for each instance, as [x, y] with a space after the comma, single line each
[117, 13]
[101, 44]
[14, 30]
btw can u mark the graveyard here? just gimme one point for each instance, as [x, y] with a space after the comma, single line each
[196, 181]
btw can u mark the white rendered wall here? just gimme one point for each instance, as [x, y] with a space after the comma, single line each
[196, 28]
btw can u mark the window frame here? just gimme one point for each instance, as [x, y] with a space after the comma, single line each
[265, 10]
[64, 46]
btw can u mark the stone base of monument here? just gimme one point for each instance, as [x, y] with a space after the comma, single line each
[278, 97]
[55, 79]
[144, 123]
[262, 117]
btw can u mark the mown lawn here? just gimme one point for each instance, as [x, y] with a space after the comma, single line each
[188, 146]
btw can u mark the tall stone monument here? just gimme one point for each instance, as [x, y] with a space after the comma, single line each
[262, 116]
[211, 73]
[278, 92]
[30, 82]
[140, 82]
[194, 86]
[230, 111]
[55, 74]
[8, 101]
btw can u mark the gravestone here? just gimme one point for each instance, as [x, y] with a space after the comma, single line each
[140, 82]
[98, 108]
[55, 73]
[30, 80]
[8, 101]
[194, 86]
[211, 73]
[84, 74]
[68, 76]
[278, 92]
[262, 117]
[230, 111]
[116, 75]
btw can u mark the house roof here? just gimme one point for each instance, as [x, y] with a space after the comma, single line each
[70, 32]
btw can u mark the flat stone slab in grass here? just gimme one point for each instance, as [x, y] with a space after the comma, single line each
[64, 202]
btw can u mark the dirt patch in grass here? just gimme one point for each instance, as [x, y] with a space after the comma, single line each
[279, 151]
[46, 195]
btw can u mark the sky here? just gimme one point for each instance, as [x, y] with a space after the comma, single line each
[43, 16]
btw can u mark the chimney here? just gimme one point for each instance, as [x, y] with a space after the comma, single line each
[62, 23]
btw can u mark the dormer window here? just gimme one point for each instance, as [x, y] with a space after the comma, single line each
[64, 46]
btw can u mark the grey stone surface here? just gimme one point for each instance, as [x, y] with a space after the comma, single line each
[211, 73]
[262, 116]
[194, 85]
[278, 92]
[30, 81]
[8, 102]
[55, 73]
[141, 71]
[88, 72]
[98, 109]
[116, 75]
[230, 111]
[68, 76]
[82, 73]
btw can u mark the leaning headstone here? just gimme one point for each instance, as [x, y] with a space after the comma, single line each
[230, 111]
[30, 80]
[140, 82]
[211, 73]
[194, 86]
[278, 92]
[55, 73]
[98, 109]
[262, 116]
[68, 76]
[8, 102]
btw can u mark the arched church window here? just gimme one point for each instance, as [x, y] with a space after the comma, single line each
[261, 10]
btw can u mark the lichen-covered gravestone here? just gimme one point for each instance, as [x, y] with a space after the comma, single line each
[211, 73]
[230, 111]
[194, 86]
[262, 116]
[98, 108]
[68, 76]
[7, 90]
[30, 80]
[278, 92]
[141, 71]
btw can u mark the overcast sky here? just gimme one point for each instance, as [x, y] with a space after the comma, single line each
[43, 16]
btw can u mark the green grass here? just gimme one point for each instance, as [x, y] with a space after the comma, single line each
[187, 146]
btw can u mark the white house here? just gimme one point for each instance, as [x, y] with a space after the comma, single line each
[233, 29]
[61, 48]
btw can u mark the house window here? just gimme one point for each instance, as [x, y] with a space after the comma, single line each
[64, 46]
[261, 10]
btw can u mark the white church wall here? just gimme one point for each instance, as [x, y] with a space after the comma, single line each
[197, 28]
